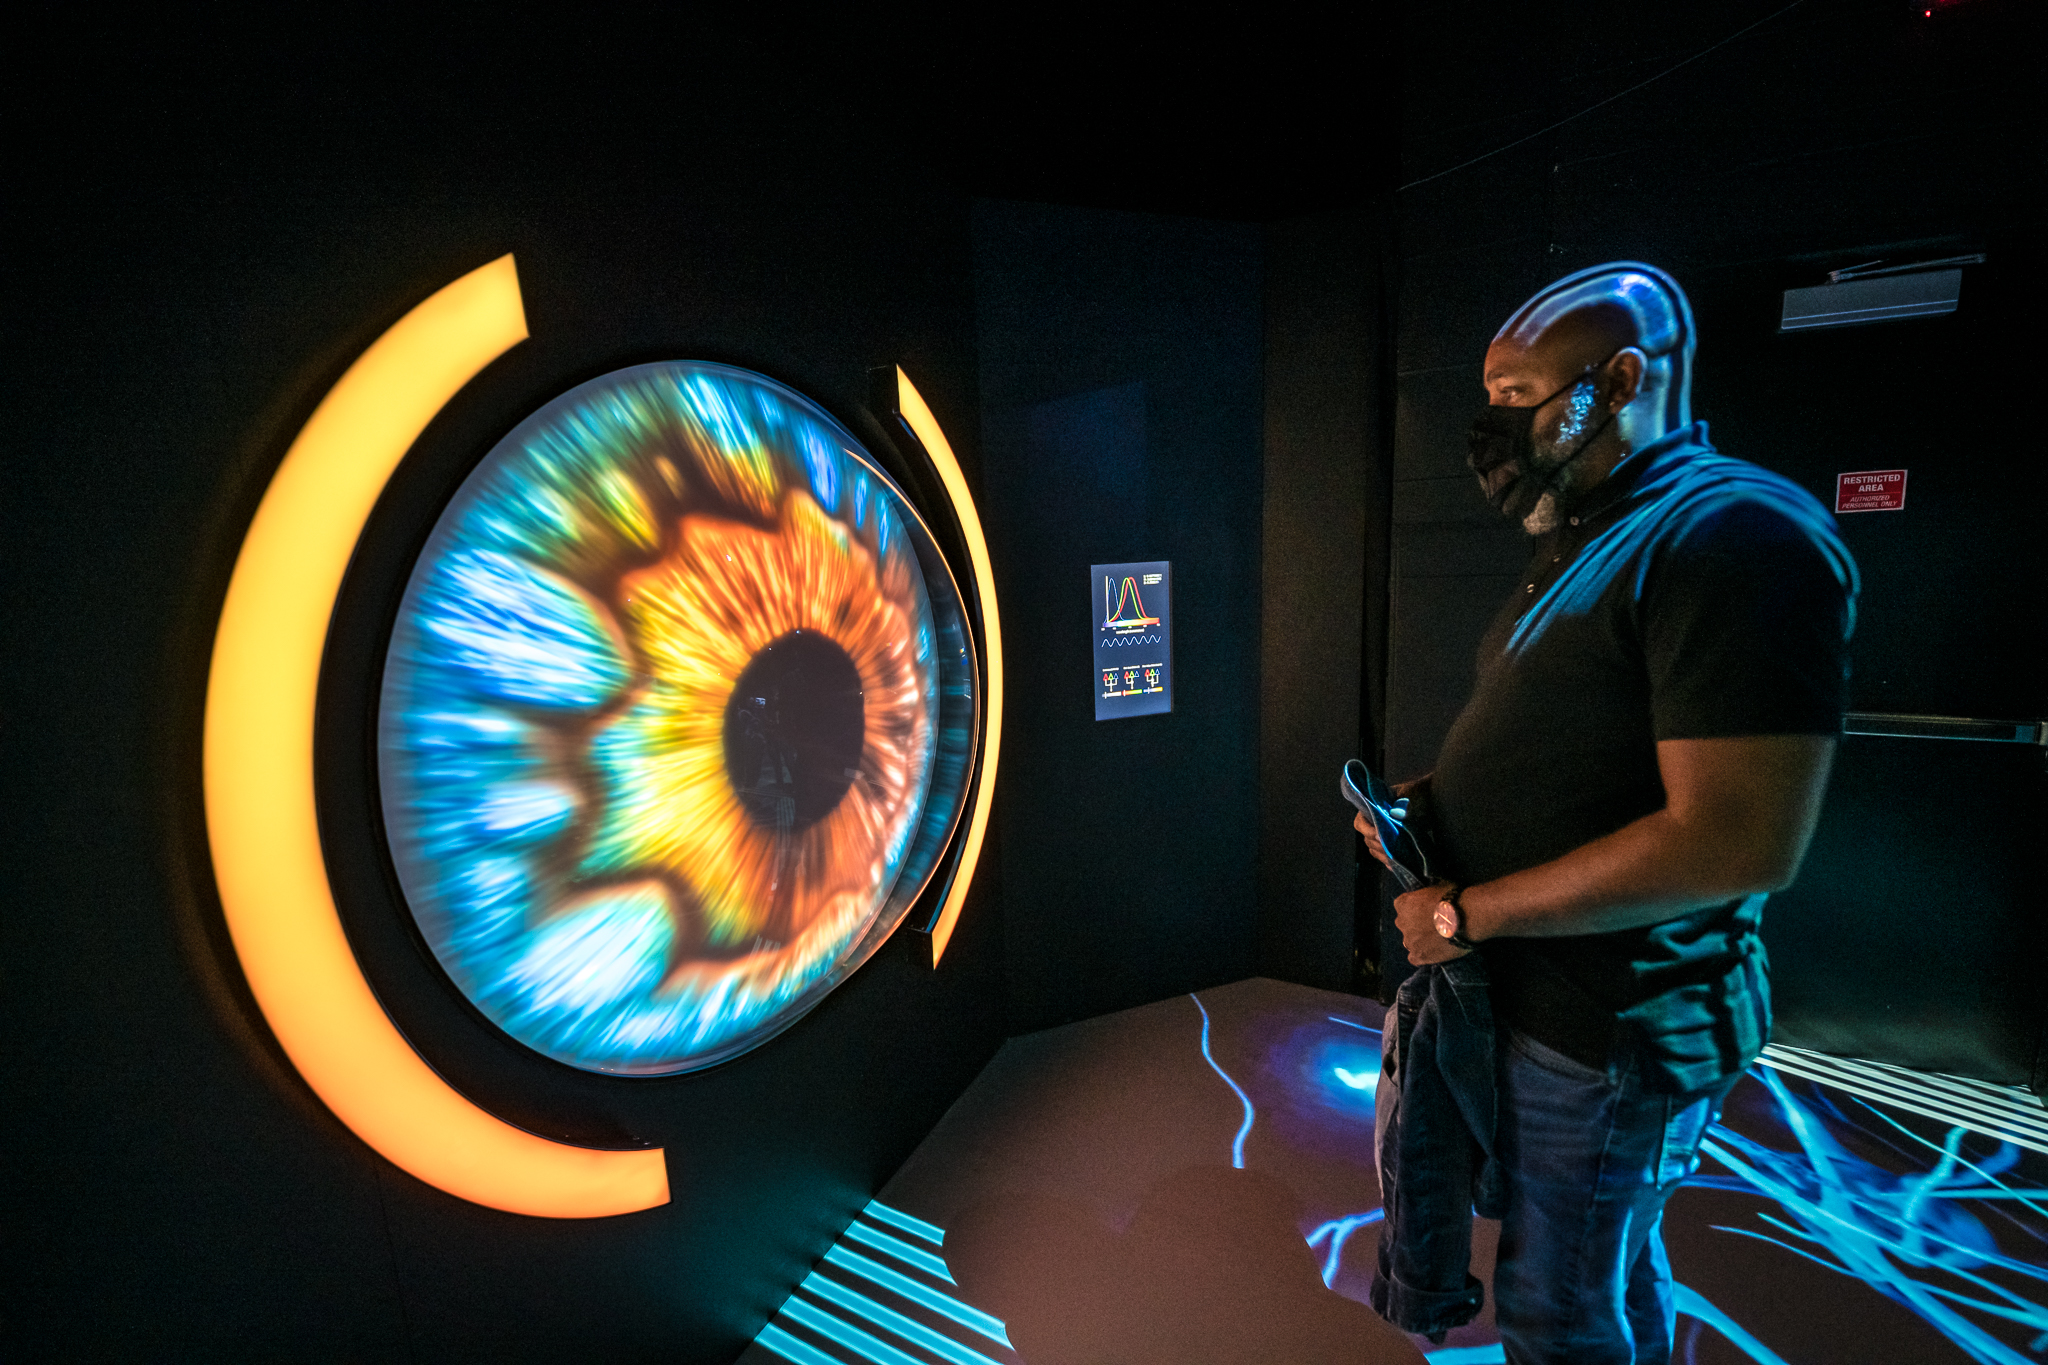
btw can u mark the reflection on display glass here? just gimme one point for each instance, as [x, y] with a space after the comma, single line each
[676, 722]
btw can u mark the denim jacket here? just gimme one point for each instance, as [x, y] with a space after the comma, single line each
[1434, 1143]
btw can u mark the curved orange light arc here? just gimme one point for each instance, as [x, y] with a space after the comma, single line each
[917, 415]
[260, 812]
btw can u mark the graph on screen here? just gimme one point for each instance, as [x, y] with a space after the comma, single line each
[1133, 639]
[1128, 614]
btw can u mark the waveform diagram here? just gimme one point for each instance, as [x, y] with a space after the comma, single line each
[1128, 615]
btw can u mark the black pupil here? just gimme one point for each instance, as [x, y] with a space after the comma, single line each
[794, 731]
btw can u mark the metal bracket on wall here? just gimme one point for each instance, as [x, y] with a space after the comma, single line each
[1945, 727]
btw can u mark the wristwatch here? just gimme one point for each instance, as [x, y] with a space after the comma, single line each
[1450, 919]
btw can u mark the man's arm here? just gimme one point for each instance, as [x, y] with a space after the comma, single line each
[1737, 818]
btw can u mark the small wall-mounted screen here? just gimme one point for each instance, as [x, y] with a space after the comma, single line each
[1133, 639]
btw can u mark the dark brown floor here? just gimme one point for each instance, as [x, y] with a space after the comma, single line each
[1088, 1192]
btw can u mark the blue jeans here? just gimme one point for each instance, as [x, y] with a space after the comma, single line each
[1591, 1157]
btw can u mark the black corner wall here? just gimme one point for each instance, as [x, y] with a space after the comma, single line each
[1323, 591]
[1120, 359]
[174, 1189]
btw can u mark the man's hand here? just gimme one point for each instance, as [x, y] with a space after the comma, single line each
[1415, 913]
[1402, 791]
[1372, 839]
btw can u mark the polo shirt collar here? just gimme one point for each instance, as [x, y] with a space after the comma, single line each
[1624, 477]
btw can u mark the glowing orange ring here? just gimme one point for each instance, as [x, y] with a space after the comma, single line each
[260, 813]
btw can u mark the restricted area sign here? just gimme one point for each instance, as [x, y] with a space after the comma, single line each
[1871, 490]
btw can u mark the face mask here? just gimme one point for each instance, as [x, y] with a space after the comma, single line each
[1504, 455]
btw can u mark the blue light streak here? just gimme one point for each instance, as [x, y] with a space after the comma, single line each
[1680, 494]
[904, 1222]
[901, 1250]
[791, 1348]
[1338, 1231]
[1236, 1148]
[839, 1330]
[890, 1320]
[1694, 1304]
[1865, 1222]
[1997, 1111]
[943, 1304]
[1897, 1233]
[1352, 1023]
[1690, 1302]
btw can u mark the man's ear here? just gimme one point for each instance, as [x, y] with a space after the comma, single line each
[1624, 377]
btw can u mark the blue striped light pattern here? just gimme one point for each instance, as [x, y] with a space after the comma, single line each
[814, 1324]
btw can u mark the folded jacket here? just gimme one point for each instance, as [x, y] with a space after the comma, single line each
[1434, 1143]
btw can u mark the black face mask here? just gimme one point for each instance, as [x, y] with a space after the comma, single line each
[1503, 454]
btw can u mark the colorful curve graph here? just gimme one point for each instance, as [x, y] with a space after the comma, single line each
[1129, 612]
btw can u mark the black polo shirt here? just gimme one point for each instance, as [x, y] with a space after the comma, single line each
[1689, 596]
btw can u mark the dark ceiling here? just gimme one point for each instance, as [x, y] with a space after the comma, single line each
[1245, 112]
[1241, 113]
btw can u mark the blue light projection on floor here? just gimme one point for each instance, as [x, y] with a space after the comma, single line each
[885, 1295]
[1693, 1304]
[1875, 1225]
[1895, 1233]
[817, 1321]
[1364, 1078]
[1491, 1354]
[1237, 1147]
[1336, 1232]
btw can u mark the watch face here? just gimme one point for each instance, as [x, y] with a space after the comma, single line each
[1446, 919]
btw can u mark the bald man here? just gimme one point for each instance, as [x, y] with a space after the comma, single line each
[1640, 764]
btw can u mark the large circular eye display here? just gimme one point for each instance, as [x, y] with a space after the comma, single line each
[677, 719]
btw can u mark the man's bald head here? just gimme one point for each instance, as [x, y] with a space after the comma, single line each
[1589, 316]
[1601, 360]
[1568, 342]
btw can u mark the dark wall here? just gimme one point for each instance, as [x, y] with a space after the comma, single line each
[1120, 392]
[1323, 589]
[174, 1188]
[1822, 137]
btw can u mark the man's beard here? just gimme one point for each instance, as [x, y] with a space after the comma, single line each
[1556, 473]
